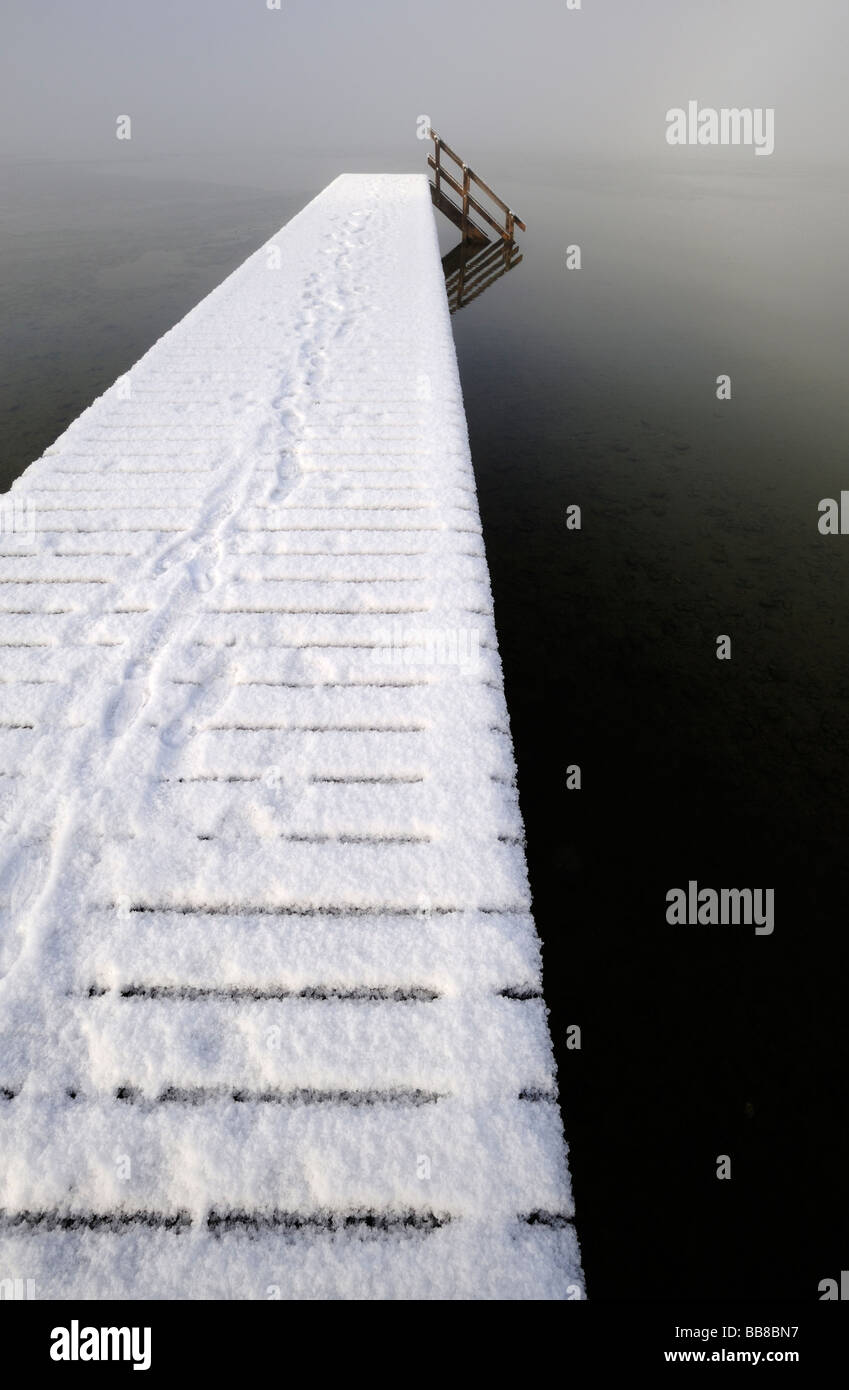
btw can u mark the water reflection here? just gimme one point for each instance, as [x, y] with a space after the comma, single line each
[471, 268]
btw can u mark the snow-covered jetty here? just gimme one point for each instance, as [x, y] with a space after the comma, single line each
[270, 1011]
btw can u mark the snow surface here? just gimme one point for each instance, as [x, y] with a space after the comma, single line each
[269, 983]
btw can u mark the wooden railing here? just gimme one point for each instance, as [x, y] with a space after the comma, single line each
[461, 215]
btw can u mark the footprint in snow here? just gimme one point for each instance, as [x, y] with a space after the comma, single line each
[124, 708]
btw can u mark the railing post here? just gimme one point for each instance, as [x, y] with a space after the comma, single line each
[437, 171]
[466, 186]
[509, 226]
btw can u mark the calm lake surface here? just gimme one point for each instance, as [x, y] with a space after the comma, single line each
[598, 388]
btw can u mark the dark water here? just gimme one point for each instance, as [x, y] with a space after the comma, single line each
[94, 268]
[597, 388]
[699, 518]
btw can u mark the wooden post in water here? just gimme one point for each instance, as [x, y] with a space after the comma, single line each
[466, 184]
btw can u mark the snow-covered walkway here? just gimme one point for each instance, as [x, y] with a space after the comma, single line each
[270, 1013]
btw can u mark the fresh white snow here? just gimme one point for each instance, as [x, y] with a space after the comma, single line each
[270, 1013]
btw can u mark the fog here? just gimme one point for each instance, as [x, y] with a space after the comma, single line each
[235, 91]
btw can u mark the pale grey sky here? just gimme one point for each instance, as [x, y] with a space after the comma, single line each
[218, 85]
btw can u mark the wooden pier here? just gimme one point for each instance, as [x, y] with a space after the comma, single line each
[271, 1020]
